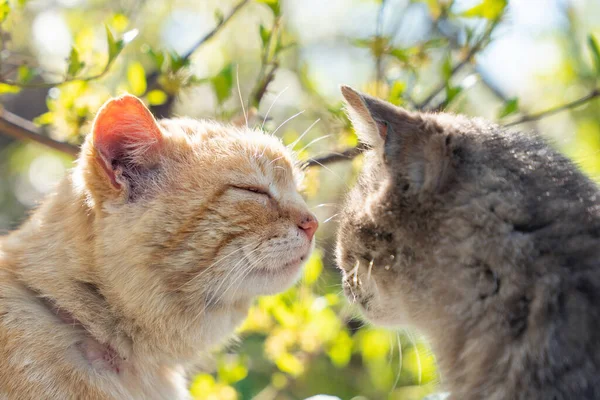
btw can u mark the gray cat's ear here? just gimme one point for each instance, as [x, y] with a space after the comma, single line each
[372, 117]
[367, 128]
[415, 146]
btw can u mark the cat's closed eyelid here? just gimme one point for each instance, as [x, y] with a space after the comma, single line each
[253, 189]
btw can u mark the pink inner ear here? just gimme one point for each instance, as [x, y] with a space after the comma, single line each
[125, 130]
[383, 129]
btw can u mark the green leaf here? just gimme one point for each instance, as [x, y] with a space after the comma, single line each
[6, 88]
[489, 9]
[177, 62]
[114, 46]
[25, 74]
[400, 54]
[75, 64]
[595, 48]
[510, 107]
[158, 57]
[222, 83]
[447, 68]
[136, 77]
[451, 92]
[265, 35]
[273, 5]
[219, 16]
[4, 10]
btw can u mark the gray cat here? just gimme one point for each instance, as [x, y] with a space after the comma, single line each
[487, 240]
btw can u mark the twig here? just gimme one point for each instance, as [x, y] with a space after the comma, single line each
[164, 110]
[22, 129]
[467, 59]
[263, 79]
[262, 87]
[331, 158]
[576, 103]
[484, 78]
[153, 77]
[215, 30]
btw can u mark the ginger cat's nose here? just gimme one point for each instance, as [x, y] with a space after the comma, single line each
[309, 225]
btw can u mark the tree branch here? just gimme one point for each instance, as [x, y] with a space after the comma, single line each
[466, 59]
[576, 103]
[14, 126]
[164, 110]
[331, 158]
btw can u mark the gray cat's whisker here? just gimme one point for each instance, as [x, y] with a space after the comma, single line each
[262, 126]
[295, 142]
[399, 363]
[354, 272]
[237, 76]
[370, 268]
[286, 121]
[417, 356]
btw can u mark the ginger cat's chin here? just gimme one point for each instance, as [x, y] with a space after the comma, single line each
[149, 253]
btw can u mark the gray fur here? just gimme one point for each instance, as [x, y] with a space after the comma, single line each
[485, 239]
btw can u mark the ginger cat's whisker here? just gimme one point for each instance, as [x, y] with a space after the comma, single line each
[274, 160]
[316, 140]
[209, 268]
[116, 274]
[330, 218]
[286, 121]
[262, 126]
[242, 277]
[237, 78]
[232, 270]
[324, 205]
[326, 168]
[295, 142]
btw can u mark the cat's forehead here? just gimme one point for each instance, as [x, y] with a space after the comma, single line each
[239, 151]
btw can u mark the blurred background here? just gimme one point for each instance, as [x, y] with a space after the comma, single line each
[531, 64]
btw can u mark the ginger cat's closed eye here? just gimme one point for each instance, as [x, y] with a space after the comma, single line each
[149, 253]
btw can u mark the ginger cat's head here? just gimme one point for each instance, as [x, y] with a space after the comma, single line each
[190, 213]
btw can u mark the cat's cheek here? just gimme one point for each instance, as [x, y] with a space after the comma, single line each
[382, 316]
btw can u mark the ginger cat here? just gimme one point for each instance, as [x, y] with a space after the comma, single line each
[149, 253]
[487, 241]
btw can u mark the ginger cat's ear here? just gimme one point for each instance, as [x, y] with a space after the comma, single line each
[127, 141]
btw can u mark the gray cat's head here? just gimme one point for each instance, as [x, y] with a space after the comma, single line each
[442, 213]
